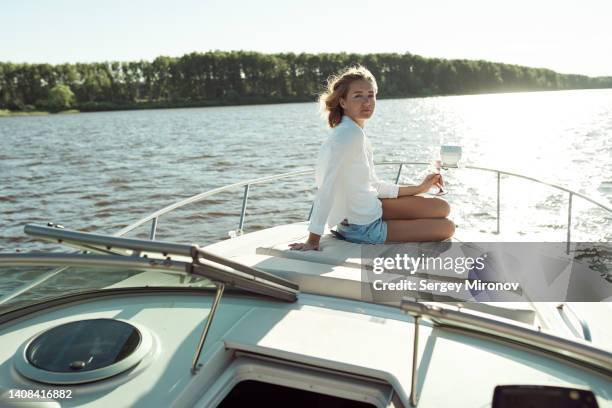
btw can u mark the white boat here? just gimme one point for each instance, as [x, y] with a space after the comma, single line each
[247, 321]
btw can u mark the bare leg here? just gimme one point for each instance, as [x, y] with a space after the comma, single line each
[417, 219]
[421, 230]
[414, 207]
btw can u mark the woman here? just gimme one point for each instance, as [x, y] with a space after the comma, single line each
[350, 195]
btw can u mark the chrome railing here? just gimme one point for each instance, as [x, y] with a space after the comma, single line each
[586, 330]
[498, 173]
[578, 352]
[154, 217]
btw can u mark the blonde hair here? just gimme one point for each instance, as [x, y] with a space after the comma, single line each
[337, 87]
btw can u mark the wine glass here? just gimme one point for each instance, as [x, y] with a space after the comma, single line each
[449, 157]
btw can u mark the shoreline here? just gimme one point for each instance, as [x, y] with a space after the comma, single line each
[110, 107]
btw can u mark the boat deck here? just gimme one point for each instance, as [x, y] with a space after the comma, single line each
[342, 261]
[337, 270]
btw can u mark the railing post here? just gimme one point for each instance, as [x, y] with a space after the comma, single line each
[415, 354]
[399, 172]
[569, 223]
[153, 229]
[498, 203]
[244, 204]
[209, 319]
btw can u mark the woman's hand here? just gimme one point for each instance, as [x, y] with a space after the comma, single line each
[431, 180]
[311, 244]
[304, 246]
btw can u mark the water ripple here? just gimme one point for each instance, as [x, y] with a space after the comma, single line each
[101, 171]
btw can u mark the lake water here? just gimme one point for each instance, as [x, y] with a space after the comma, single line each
[102, 171]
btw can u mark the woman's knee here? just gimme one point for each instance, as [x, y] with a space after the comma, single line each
[446, 229]
[442, 208]
[450, 227]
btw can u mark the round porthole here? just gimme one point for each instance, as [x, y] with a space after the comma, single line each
[83, 351]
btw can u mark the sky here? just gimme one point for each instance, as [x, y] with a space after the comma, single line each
[562, 35]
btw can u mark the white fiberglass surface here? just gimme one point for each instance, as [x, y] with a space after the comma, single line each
[336, 334]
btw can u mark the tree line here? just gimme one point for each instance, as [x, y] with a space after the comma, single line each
[241, 77]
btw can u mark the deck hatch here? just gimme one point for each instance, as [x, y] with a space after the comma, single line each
[83, 351]
[84, 345]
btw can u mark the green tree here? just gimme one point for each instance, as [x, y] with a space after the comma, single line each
[60, 98]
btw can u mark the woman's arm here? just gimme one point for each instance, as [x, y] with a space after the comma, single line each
[429, 181]
[334, 158]
[410, 190]
[343, 146]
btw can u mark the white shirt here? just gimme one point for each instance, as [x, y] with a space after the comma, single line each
[347, 183]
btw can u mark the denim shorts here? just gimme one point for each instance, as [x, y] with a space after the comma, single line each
[372, 233]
